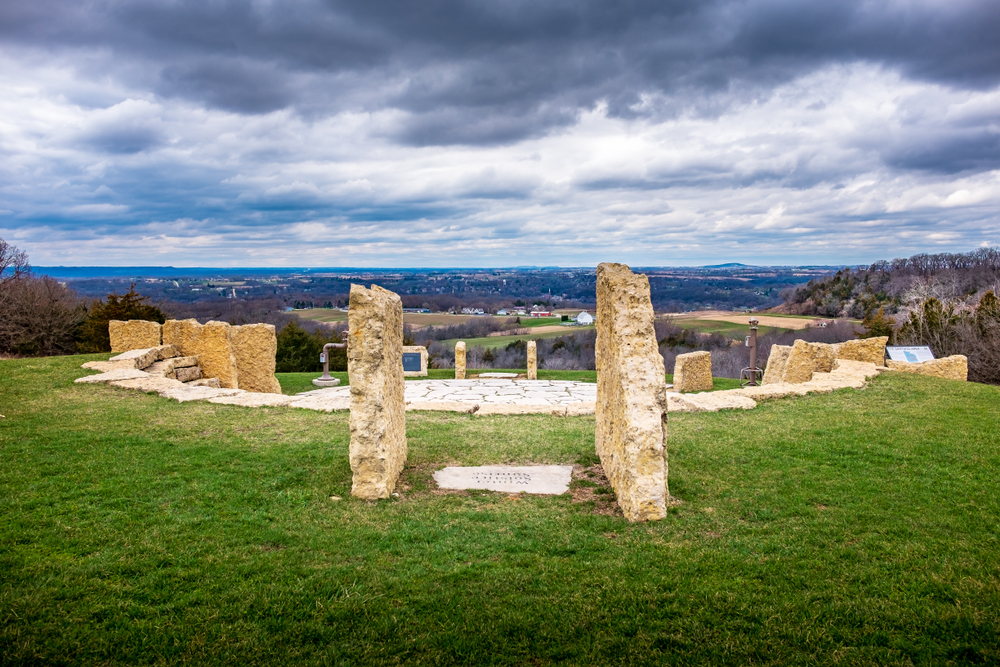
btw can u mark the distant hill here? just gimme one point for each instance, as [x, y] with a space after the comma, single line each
[898, 284]
[729, 265]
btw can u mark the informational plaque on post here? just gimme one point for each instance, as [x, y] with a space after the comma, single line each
[913, 353]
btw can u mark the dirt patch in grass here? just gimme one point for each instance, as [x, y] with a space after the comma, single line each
[591, 485]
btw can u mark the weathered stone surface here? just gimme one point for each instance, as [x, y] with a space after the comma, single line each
[255, 347]
[378, 410]
[186, 392]
[549, 480]
[422, 351]
[183, 334]
[520, 409]
[955, 367]
[133, 335]
[183, 362]
[148, 383]
[713, 401]
[205, 382]
[321, 402]
[460, 360]
[163, 369]
[442, 406]
[804, 359]
[776, 361]
[215, 354]
[631, 394]
[532, 360]
[188, 374]
[253, 400]
[145, 357]
[871, 350]
[105, 366]
[693, 372]
[112, 375]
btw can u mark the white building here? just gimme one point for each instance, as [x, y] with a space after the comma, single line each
[585, 318]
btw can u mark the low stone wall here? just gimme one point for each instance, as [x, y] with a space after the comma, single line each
[631, 407]
[955, 367]
[133, 335]
[794, 364]
[240, 357]
[378, 408]
[693, 372]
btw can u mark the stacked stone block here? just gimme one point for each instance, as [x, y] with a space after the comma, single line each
[532, 360]
[378, 409]
[693, 372]
[240, 357]
[631, 407]
[133, 335]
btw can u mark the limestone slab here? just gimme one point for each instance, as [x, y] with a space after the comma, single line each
[776, 361]
[204, 382]
[378, 410]
[805, 358]
[693, 372]
[631, 394]
[105, 366]
[112, 375]
[254, 349]
[253, 399]
[186, 393]
[871, 350]
[955, 367]
[133, 335]
[149, 383]
[548, 480]
[498, 375]
[188, 374]
[714, 401]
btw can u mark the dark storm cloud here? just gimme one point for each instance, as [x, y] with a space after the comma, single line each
[495, 72]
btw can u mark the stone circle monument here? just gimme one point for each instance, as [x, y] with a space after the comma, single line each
[378, 409]
[631, 394]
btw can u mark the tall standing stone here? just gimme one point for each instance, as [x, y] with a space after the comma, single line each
[631, 394]
[255, 347]
[378, 411]
[460, 360]
[532, 360]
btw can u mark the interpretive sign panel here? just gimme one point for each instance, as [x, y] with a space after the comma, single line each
[411, 361]
[510, 479]
[913, 353]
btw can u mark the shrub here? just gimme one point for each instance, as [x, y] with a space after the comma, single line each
[299, 350]
[93, 334]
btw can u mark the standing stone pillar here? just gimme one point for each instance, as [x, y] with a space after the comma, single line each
[532, 360]
[378, 412]
[631, 394]
[460, 360]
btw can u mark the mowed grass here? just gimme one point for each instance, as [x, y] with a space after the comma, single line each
[860, 527]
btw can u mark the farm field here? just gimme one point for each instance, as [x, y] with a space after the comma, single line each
[734, 330]
[494, 342]
[858, 527]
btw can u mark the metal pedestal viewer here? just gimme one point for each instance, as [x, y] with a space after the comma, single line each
[749, 377]
[326, 380]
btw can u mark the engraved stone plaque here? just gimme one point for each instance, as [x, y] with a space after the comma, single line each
[552, 480]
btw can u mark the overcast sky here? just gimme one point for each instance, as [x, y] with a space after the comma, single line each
[497, 133]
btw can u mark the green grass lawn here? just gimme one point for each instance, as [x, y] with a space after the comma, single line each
[853, 528]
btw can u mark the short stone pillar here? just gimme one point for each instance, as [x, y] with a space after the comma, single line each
[378, 411]
[460, 360]
[693, 372]
[133, 335]
[255, 347]
[631, 394]
[532, 360]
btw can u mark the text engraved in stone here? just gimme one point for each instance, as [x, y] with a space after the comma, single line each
[501, 478]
